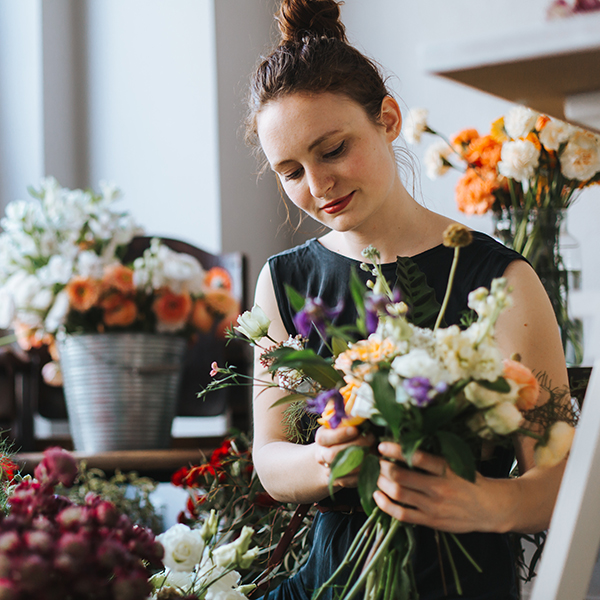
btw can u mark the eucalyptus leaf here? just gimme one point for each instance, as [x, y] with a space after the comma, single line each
[344, 463]
[458, 454]
[416, 293]
[367, 482]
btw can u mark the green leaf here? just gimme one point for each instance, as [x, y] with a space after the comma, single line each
[287, 399]
[345, 462]
[500, 385]
[296, 300]
[435, 417]
[358, 290]
[385, 402]
[338, 345]
[308, 362]
[458, 454]
[367, 482]
[416, 292]
[411, 442]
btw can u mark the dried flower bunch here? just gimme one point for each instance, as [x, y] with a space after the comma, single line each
[526, 160]
[61, 268]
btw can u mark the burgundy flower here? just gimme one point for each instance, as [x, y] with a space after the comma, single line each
[57, 466]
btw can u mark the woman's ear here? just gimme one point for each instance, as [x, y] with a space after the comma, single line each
[391, 118]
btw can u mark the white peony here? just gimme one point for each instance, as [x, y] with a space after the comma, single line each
[520, 121]
[580, 159]
[555, 133]
[183, 547]
[519, 159]
[415, 125]
[482, 397]
[503, 418]
[436, 159]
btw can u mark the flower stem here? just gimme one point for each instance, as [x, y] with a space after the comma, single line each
[467, 555]
[452, 565]
[448, 288]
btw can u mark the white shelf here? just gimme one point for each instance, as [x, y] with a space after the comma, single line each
[546, 67]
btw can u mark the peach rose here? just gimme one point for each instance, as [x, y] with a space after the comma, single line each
[201, 317]
[172, 311]
[119, 310]
[529, 388]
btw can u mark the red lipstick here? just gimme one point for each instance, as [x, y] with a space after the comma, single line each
[337, 205]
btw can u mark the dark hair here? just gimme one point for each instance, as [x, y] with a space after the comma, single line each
[313, 56]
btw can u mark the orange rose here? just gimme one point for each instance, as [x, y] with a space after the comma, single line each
[83, 293]
[218, 277]
[475, 191]
[119, 310]
[172, 310]
[119, 277]
[201, 317]
[529, 388]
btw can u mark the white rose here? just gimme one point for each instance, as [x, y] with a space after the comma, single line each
[436, 159]
[7, 309]
[580, 159]
[504, 418]
[519, 121]
[183, 547]
[519, 160]
[415, 125]
[554, 134]
[557, 447]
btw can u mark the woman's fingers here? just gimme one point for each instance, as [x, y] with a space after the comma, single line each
[436, 465]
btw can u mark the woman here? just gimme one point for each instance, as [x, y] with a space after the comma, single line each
[325, 121]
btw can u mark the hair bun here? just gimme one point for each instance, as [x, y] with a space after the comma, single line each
[296, 18]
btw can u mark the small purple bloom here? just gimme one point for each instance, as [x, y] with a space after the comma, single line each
[319, 402]
[374, 305]
[419, 388]
[314, 313]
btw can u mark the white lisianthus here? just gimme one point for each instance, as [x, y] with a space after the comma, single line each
[519, 159]
[555, 133]
[224, 586]
[183, 580]
[436, 159]
[364, 402]
[519, 121]
[580, 159]
[558, 445]
[415, 125]
[503, 418]
[183, 547]
[419, 363]
[237, 553]
[253, 324]
[210, 526]
[483, 397]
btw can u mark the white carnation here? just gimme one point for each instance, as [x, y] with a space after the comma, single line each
[580, 159]
[415, 125]
[504, 418]
[555, 133]
[183, 547]
[519, 159]
[436, 159]
[520, 121]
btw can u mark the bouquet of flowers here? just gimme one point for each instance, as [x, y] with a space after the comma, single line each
[227, 483]
[526, 171]
[425, 386]
[62, 269]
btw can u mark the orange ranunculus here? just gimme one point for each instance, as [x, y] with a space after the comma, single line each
[119, 310]
[172, 309]
[201, 317]
[541, 122]
[529, 388]
[83, 293]
[497, 131]
[475, 191]
[221, 302]
[484, 151]
[119, 277]
[218, 277]
[464, 137]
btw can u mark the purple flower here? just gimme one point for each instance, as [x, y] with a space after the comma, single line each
[314, 313]
[419, 389]
[319, 402]
[374, 305]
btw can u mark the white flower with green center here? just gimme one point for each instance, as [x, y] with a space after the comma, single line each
[253, 324]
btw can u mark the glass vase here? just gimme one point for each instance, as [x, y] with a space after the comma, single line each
[542, 237]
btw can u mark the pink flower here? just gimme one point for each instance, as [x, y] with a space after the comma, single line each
[57, 466]
[214, 369]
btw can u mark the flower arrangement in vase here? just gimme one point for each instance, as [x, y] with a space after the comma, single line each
[527, 171]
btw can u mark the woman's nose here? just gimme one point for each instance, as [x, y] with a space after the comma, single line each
[320, 182]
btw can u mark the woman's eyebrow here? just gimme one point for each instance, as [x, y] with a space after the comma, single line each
[311, 147]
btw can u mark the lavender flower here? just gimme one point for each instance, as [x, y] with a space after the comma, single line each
[421, 391]
[315, 313]
[319, 402]
[374, 305]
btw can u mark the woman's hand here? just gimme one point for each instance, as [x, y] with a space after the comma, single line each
[435, 496]
[329, 442]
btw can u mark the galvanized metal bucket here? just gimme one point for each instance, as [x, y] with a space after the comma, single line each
[121, 389]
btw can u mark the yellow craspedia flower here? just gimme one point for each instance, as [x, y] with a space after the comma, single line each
[457, 236]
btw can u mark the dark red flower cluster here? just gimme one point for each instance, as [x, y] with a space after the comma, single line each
[52, 548]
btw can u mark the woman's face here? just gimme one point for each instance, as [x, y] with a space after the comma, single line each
[334, 163]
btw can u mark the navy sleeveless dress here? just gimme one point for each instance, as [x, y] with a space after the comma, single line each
[315, 271]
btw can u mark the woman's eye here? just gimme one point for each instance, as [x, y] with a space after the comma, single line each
[336, 152]
[293, 175]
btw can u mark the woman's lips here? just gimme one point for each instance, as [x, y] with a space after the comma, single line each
[338, 205]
